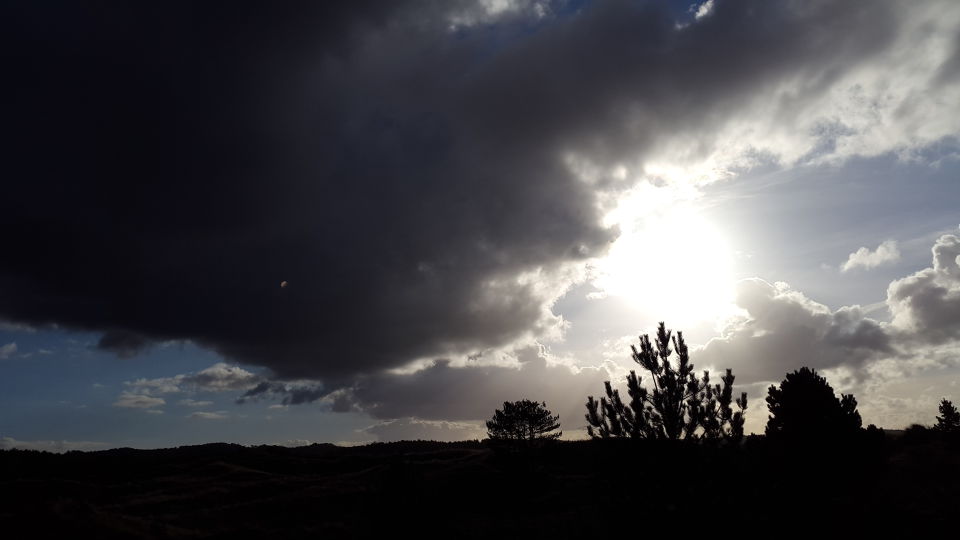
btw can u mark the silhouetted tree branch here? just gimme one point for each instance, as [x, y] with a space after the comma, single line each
[679, 406]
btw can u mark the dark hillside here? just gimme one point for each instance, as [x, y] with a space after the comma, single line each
[470, 490]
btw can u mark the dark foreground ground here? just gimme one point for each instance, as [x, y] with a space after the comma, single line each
[470, 490]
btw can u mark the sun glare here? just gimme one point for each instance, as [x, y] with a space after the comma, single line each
[675, 267]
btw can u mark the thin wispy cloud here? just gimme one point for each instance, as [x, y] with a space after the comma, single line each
[204, 415]
[194, 403]
[8, 443]
[130, 400]
[220, 377]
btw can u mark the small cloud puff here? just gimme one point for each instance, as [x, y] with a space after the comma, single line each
[8, 350]
[886, 252]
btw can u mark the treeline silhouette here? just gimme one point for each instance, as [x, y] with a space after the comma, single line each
[672, 459]
[676, 404]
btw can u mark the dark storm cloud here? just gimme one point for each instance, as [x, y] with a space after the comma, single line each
[169, 166]
[473, 392]
[288, 394]
[123, 343]
[443, 392]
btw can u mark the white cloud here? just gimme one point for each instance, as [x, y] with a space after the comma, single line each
[219, 377]
[430, 430]
[163, 385]
[897, 412]
[926, 305]
[886, 252]
[489, 11]
[877, 96]
[704, 9]
[294, 443]
[194, 403]
[782, 330]
[133, 400]
[8, 443]
[218, 415]
[8, 350]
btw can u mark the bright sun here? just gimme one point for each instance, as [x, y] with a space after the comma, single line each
[676, 268]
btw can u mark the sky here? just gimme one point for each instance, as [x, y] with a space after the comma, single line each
[369, 221]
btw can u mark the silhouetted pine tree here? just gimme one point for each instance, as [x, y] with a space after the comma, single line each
[523, 420]
[949, 419]
[679, 406]
[804, 406]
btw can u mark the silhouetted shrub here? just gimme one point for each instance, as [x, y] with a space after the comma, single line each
[804, 407]
[874, 436]
[523, 420]
[916, 434]
[681, 406]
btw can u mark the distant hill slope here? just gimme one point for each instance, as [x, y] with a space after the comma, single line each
[465, 490]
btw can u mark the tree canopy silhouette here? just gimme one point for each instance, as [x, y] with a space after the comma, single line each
[680, 405]
[804, 406]
[949, 419]
[523, 420]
